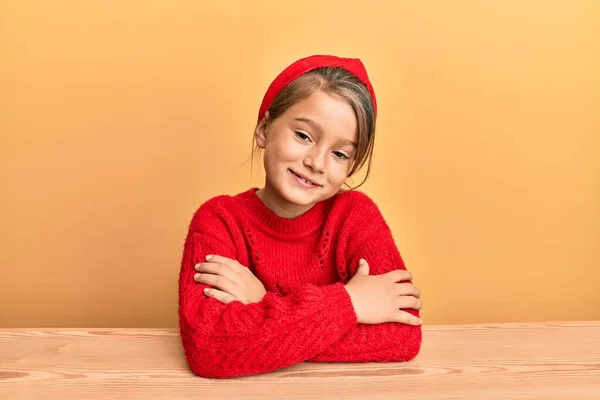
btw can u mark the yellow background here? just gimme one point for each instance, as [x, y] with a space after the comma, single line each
[119, 118]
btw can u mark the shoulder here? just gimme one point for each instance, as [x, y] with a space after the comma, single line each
[364, 224]
[356, 215]
[215, 213]
[361, 217]
[356, 205]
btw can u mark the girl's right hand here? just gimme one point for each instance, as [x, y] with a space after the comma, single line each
[379, 298]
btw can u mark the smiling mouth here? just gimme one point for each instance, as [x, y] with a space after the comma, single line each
[307, 181]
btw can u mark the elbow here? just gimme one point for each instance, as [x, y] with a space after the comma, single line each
[214, 367]
[413, 350]
[226, 363]
[405, 347]
[202, 356]
[411, 346]
[207, 370]
[209, 365]
[207, 361]
[219, 362]
[200, 368]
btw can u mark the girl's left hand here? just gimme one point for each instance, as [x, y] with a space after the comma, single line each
[230, 280]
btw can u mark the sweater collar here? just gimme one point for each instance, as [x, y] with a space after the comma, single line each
[306, 223]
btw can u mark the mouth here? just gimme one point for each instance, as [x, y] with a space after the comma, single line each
[304, 180]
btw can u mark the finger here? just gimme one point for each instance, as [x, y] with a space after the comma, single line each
[222, 297]
[217, 269]
[363, 267]
[231, 263]
[399, 275]
[405, 318]
[217, 281]
[406, 302]
[408, 289]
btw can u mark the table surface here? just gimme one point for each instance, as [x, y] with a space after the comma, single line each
[552, 360]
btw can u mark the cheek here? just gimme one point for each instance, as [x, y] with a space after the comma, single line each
[276, 157]
[338, 173]
[287, 149]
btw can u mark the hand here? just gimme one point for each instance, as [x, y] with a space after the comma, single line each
[379, 298]
[230, 281]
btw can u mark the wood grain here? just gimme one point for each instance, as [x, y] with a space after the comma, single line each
[555, 360]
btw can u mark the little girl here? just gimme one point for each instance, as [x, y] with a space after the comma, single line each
[299, 270]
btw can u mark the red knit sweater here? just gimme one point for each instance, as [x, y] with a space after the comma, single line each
[303, 263]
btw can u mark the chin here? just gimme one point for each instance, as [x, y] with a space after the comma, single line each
[296, 196]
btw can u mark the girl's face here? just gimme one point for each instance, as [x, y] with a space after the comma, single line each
[308, 152]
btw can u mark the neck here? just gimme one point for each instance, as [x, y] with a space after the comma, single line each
[278, 205]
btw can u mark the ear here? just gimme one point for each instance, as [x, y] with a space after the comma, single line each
[260, 133]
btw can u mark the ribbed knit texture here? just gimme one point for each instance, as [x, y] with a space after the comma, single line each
[303, 263]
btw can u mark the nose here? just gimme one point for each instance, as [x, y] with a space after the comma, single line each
[316, 159]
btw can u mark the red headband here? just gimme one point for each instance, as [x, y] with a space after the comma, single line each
[304, 65]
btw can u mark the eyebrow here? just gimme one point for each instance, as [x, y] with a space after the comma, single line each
[318, 127]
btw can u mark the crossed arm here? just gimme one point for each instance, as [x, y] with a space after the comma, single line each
[231, 326]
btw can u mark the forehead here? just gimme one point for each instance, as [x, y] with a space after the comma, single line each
[332, 115]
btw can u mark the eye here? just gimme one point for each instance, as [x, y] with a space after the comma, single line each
[302, 136]
[340, 155]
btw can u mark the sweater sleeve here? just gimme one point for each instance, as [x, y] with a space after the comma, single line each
[387, 342]
[222, 341]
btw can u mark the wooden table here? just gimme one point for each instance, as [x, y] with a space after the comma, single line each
[495, 361]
